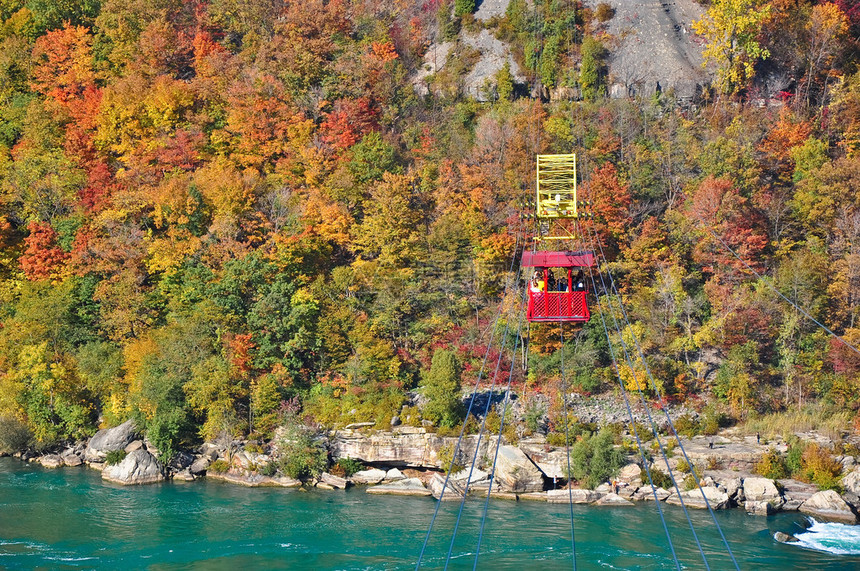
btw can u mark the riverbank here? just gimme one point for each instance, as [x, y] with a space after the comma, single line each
[71, 519]
[409, 460]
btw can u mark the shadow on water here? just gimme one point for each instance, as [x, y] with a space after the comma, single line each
[70, 519]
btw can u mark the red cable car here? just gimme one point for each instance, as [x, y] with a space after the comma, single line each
[558, 295]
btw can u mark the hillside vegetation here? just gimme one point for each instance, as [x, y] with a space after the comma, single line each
[215, 213]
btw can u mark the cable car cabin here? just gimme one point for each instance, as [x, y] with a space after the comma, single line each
[557, 287]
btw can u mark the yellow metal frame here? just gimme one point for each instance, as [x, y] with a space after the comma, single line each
[556, 186]
[556, 191]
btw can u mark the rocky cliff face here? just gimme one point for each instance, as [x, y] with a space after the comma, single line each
[655, 48]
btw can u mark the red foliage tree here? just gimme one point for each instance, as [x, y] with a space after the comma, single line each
[348, 122]
[726, 218]
[42, 258]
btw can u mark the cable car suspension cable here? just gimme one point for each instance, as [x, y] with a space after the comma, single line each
[613, 292]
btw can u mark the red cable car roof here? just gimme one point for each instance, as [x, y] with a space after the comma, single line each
[557, 259]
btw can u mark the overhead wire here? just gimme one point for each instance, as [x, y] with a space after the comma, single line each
[651, 421]
[472, 398]
[614, 292]
[481, 433]
[501, 430]
[639, 444]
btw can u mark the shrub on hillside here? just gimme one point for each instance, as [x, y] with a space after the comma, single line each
[14, 435]
[442, 388]
[594, 460]
[114, 457]
[772, 465]
[302, 455]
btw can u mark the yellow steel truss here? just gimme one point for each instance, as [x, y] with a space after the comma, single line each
[556, 191]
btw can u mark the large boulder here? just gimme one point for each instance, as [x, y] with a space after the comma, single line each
[760, 490]
[407, 487]
[630, 473]
[51, 461]
[759, 507]
[447, 491]
[139, 467]
[200, 465]
[109, 439]
[851, 481]
[70, 458]
[474, 476]
[335, 482]
[372, 476]
[717, 499]
[516, 473]
[829, 505]
[645, 493]
[566, 496]
[612, 500]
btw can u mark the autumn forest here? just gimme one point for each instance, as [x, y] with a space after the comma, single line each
[214, 213]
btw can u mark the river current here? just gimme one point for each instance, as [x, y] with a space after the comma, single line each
[70, 519]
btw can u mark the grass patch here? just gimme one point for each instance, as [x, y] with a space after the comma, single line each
[818, 417]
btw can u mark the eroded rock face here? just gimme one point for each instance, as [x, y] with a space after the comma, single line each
[139, 467]
[829, 505]
[516, 472]
[109, 439]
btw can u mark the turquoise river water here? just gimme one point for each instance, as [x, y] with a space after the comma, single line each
[70, 519]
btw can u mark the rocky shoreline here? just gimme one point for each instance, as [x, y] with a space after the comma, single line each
[408, 461]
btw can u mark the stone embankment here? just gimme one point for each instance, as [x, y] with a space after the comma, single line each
[410, 461]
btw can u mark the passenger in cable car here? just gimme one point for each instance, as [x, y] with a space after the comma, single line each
[537, 284]
[579, 282]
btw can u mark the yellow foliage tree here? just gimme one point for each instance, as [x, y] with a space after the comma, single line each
[731, 28]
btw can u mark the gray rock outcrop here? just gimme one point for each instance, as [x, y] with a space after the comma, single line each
[109, 439]
[851, 481]
[447, 491]
[645, 493]
[829, 505]
[139, 467]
